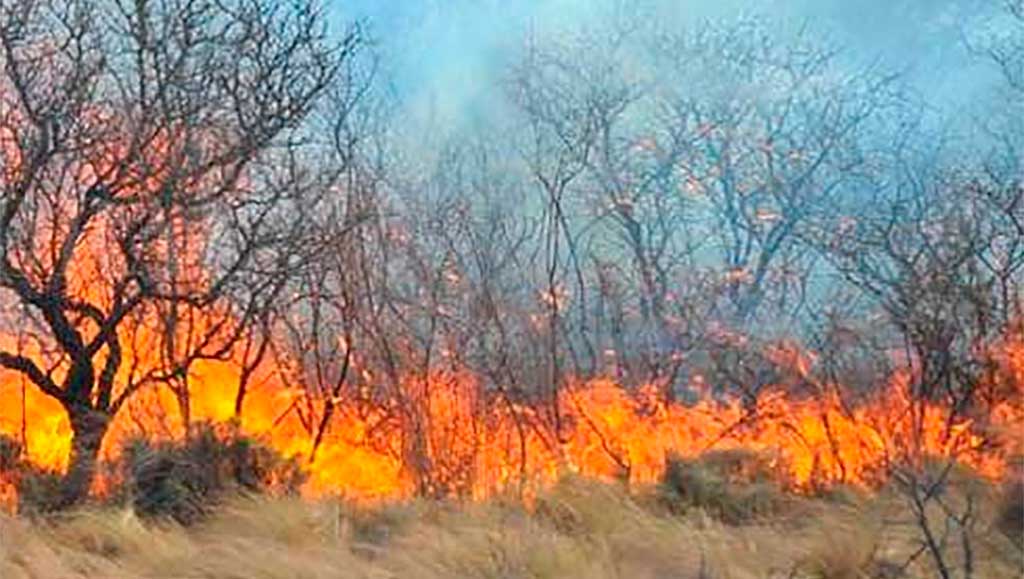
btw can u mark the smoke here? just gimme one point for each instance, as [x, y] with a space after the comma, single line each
[444, 57]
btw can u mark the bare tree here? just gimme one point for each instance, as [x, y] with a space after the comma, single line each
[776, 136]
[141, 145]
[562, 116]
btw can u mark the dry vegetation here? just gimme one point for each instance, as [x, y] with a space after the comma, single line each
[227, 280]
[578, 529]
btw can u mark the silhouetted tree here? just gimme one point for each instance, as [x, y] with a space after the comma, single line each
[153, 155]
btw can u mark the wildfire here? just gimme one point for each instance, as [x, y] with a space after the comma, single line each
[445, 433]
[471, 446]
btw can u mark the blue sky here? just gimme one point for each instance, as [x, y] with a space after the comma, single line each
[442, 53]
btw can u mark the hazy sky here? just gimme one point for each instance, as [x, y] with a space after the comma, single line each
[441, 52]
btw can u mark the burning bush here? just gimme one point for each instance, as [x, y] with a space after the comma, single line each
[182, 480]
[24, 486]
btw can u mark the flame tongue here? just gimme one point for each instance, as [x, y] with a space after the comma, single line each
[471, 445]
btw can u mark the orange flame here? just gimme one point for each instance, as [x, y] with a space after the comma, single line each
[447, 434]
[474, 447]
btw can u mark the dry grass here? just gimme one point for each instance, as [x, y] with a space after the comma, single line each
[579, 529]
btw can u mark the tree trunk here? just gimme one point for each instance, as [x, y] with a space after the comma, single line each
[88, 429]
[181, 392]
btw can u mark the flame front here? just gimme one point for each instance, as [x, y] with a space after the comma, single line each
[474, 446]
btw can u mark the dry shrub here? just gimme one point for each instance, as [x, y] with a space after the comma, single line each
[731, 486]
[177, 479]
[1010, 517]
[183, 479]
[37, 489]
